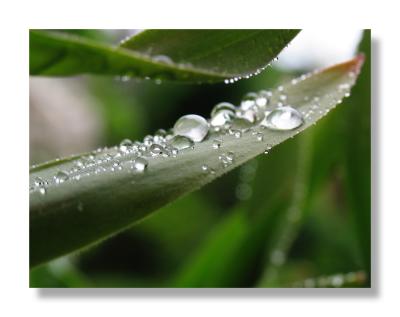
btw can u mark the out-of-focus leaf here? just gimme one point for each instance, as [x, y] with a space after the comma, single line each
[358, 154]
[230, 255]
[75, 213]
[181, 55]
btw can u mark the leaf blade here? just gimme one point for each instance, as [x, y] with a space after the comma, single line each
[72, 216]
[60, 54]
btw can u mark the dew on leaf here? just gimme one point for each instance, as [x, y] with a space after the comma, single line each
[61, 177]
[192, 126]
[139, 164]
[180, 142]
[283, 118]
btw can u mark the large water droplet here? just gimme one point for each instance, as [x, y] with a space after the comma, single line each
[192, 126]
[283, 118]
[61, 177]
[181, 142]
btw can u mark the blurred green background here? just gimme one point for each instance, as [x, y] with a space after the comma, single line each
[297, 217]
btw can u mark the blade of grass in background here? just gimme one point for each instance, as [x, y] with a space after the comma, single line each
[358, 155]
[181, 55]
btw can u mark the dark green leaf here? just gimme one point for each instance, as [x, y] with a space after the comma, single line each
[182, 55]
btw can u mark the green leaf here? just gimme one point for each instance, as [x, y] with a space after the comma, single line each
[358, 154]
[228, 256]
[182, 55]
[77, 213]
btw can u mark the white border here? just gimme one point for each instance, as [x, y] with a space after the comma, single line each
[17, 16]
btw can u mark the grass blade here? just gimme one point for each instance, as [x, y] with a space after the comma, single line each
[178, 55]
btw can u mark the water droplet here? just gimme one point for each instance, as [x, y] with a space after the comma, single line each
[222, 117]
[227, 158]
[249, 115]
[236, 133]
[39, 182]
[248, 101]
[181, 142]
[259, 136]
[222, 106]
[262, 98]
[192, 126]
[163, 59]
[126, 145]
[283, 97]
[283, 118]
[216, 144]
[139, 164]
[156, 149]
[43, 190]
[241, 124]
[204, 168]
[161, 132]
[61, 177]
[148, 140]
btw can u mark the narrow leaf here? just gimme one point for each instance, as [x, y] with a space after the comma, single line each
[182, 55]
[90, 204]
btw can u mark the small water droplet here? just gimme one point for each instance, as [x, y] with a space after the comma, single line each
[43, 190]
[61, 177]
[204, 168]
[236, 133]
[139, 164]
[241, 124]
[262, 99]
[216, 144]
[227, 158]
[250, 115]
[283, 118]
[192, 126]
[223, 106]
[148, 140]
[38, 181]
[163, 59]
[156, 149]
[248, 101]
[180, 142]
[222, 117]
[259, 136]
[126, 145]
